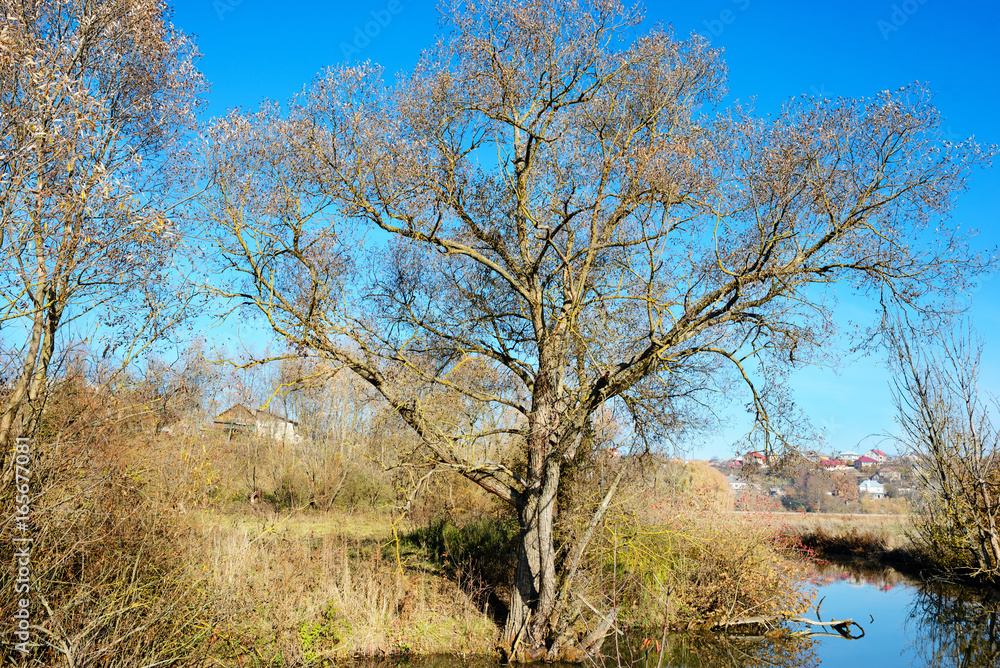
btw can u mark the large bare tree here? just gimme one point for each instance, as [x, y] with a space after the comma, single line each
[553, 195]
[947, 426]
[91, 93]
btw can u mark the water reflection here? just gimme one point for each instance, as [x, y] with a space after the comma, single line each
[703, 650]
[694, 651]
[881, 579]
[906, 624]
[952, 626]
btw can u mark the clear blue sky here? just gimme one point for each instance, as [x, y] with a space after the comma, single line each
[254, 50]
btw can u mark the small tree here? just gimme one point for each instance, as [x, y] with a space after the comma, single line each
[551, 197]
[91, 95]
[949, 427]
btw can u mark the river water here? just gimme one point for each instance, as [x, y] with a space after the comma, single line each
[908, 624]
[905, 624]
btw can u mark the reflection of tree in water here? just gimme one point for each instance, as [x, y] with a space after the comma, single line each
[950, 627]
[697, 650]
[955, 628]
[709, 650]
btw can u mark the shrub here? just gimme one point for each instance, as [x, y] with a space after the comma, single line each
[481, 553]
[674, 553]
[698, 566]
[110, 584]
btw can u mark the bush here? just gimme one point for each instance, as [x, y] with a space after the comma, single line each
[482, 553]
[672, 552]
[110, 585]
[698, 566]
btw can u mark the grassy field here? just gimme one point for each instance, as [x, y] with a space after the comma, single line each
[893, 527]
[289, 588]
[865, 541]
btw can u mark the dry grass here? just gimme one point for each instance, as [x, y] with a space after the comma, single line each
[675, 553]
[874, 542]
[314, 587]
[891, 530]
[110, 581]
[294, 525]
[291, 584]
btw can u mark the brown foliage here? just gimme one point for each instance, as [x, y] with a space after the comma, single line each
[109, 574]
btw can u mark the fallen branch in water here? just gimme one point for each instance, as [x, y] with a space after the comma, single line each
[842, 626]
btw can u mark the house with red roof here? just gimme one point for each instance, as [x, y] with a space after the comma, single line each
[864, 462]
[879, 456]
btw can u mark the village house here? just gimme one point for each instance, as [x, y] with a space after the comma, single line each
[735, 483]
[242, 420]
[878, 456]
[873, 488]
[755, 459]
[864, 462]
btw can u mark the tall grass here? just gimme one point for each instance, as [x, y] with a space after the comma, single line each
[282, 597]
[682, 566]
[110, 582]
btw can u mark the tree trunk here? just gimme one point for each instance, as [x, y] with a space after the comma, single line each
[23, 407]
[13, 407]
[527, 635]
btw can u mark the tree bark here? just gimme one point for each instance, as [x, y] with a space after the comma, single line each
[526, 633]
[14, 404]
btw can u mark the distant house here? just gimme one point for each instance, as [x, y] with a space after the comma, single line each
[865, 462]
[242, 420]
[236, 420]
[873, 488]
[877, 455]
[754, 458]
[889, 475]
[849, 456]
[736, 484]
[834, 465]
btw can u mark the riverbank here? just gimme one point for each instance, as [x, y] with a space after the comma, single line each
[869, 543]
[247, 563]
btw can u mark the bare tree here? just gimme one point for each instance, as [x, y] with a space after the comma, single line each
[90, 95]
[332, 411]
[170, 391]
[949, 428]
[553, 198]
